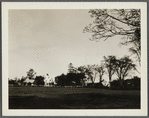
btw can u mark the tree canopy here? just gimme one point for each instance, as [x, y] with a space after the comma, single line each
[111, 22]
[31, 73]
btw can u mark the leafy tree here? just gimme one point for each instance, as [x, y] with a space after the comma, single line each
[12, 82]
[110, 65]
[39, 80]
[71, 68]
[123, 67]
[70, 78]
[82, 69]
[71, 75]
[15, 81]
[61, 80]
[112, 22]
[31, 74]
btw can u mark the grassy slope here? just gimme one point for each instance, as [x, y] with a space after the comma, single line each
[72, 98]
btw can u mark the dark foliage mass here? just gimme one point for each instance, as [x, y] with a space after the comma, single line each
[39, 80]
[133, 83]
[69, 79]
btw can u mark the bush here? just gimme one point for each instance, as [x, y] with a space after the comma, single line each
[133, 83]
[129, 84]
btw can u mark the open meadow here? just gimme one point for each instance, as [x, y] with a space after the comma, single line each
[72, 98]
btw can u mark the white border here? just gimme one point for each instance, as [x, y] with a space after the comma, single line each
[74, 5]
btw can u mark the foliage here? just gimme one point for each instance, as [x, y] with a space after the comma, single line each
[31, 74]
[12, 82]
[133, 83]
[112, 22]
[70, 79]
[22, 80]
[15, 82]
[61, 80]
[39, 80]
[71, 68]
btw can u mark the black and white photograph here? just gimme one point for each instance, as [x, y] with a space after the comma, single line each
[84, 58]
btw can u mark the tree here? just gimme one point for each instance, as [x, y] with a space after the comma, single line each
[31, 74]
[110, 65]
[101, 71]
[22, 80]
[61, 80]
[39, 80]
[15, 82]
[80, 79]
[112, 22]
[95, 72]
[12, 82]
[70, 68]
[89, 72]
[82, 73]
[82, 69]
[123, 67]
[135, 42]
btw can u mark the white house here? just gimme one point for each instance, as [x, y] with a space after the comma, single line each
[48, 81]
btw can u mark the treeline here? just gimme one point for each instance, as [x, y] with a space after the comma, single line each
[85, 76]
[33, 80]
[110, 65]
[38, 81]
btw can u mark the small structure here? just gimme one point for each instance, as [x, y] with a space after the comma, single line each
[48, 82]
[29, 82]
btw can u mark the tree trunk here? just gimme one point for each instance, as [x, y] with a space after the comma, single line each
[110, 81]
[100, 79]
[82, 83]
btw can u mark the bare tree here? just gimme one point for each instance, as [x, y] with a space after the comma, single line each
[90, 73]
[110, 66]
[112, 22]
[101, 71]
[123, 67]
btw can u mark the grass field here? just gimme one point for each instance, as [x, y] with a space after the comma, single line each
[72, 98]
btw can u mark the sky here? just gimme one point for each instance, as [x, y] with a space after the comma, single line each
[48, 40]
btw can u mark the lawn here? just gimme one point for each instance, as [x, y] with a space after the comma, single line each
[72, 98]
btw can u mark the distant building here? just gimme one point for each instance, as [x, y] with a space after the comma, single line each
[48, 82]
[29, 82]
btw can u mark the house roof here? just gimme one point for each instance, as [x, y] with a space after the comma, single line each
[29, 80]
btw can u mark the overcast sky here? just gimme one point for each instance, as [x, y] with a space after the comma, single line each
[48, 40]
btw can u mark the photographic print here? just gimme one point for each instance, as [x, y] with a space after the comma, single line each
[73, 60]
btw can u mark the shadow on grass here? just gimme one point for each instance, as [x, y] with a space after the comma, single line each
[75, 101]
